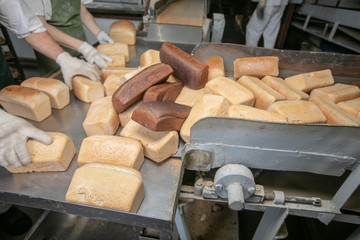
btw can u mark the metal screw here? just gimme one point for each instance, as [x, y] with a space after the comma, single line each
[219, 187]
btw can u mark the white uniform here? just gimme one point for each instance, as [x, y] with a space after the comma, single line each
[268, 26]
[19, 19]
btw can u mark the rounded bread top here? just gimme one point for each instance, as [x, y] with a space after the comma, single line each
[122, 25]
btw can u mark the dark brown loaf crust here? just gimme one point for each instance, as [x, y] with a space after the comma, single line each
[133, 89]
[161, 116]
[165, 92]
[189, 70]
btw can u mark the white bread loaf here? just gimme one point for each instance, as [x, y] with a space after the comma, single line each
[101, 118]
[118, 60]
[48, 158]
[334, 114]
[337, 93]
[107, 186]
[112, 83]
[256, 67]
[149, 57]
[246, 112]
[358, 116]
[216, 67]
[87, 90]
[112, 150]
[207, 106]
[158, 146]
[352, 106]
[123, 31]
[308, 81]
[279, 85]
[189, 96]
[57, 91]
[118, 71]
[231, 90]
[264, 95]
[125, 116]
[298, 111]
[172, 79]
[117, 48]
[25, 102]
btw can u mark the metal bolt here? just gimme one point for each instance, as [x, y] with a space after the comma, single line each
[219, 187]
[251, 190]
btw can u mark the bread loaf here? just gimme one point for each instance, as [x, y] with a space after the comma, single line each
[352, 106]
[231, 90]
[216, 67]
[158, 146]
[25, 102]
[48, 158]
[118, 71]
[123, 31]
[337, 93]
[279, 85]
[87, 90]
[118, 60]
[208, 106]
[125, 116]
[189, 70]
[161, 116]
[107, 186]
[101, 118]
[333, 113]
[112, 150]
[117, 48]
[57, 91]
[112, 83]
[298, 111]
[256, 67]
[246, 112]
[172, 79]
[264, 95]
[133, 89]
[189, 96]
[149, 57]
[355, 83]
[165, 92]
[308, 81]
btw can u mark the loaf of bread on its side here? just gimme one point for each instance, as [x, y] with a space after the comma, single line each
[256, 67]
[114, 150]
[112, 83]
[133, 89]
[298, 111]
[123, 31]
[25, 102]
[189, 96]
[87, 90]
[337, 93]
[161, 116]
[101, 118]
[246, 112]
[334, 114]
[352, 106]
[57, 90]
[48, 158]
[189, 70]
[279, 85]
[264, 95]
[107, 186]
[149, 57]
[208, 106]
[118, 60]
[117, 48]
[308, 81]
[158, 146]
[165, 92]
[216, 67]
[125, 116]
[118, 71]
[231, 90]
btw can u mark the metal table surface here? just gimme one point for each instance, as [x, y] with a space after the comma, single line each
[47, 190]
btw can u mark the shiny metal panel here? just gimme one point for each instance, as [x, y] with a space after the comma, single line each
[174, 33]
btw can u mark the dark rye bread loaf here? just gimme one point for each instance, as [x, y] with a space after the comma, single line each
[161, 116]
[133, 89]
[165, 92]
[189, 70]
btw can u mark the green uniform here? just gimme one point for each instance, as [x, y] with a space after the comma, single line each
[6, 78]
[66, 18]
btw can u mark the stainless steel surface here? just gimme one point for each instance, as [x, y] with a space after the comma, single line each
[116, 7]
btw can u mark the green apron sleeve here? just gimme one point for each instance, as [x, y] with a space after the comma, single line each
[6, 78]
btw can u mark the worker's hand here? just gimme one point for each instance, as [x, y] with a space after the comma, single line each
[71, 66]
[14, 133]
[103, 38]
[93, 56]
[261, 8]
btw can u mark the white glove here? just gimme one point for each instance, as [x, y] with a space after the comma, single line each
[71, 66]
[103, 38]
[93, 56]
[14, 133]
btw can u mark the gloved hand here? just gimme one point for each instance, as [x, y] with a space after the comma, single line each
[103, 38]
[260, 8]
[93, 56]
[14, 133]
[71, 66]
